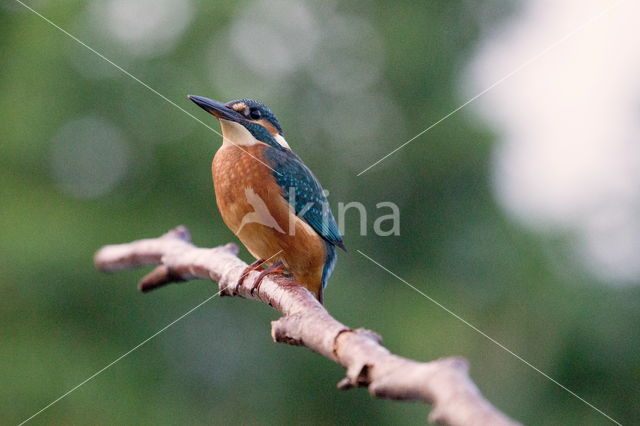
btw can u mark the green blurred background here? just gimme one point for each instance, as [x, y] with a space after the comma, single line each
[91, 157]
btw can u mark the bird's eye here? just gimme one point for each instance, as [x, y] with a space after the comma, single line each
[255, 114]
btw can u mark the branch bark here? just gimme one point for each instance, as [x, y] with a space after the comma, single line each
[444, 383]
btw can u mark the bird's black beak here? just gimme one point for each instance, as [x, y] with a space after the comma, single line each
[217, 109]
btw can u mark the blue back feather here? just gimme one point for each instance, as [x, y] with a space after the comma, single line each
[310, 202]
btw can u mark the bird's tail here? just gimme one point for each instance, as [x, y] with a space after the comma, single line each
[329, 263]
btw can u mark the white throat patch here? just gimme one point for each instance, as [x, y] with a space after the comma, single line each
[235, 134]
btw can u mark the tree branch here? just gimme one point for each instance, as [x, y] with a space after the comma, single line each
[443, 383]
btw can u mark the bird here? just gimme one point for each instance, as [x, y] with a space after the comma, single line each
[270, 199]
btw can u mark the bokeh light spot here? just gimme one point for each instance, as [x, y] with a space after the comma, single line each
[350, 56]
[144, 27]
[274, 37]
[89, 157]
[568, 124]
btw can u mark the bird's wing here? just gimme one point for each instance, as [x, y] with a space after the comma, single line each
[310, 203]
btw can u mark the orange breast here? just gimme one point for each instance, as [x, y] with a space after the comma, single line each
[252, 206]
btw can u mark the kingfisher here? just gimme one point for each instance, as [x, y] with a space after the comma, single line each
[269, 198]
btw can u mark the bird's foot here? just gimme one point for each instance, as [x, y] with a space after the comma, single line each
[253, 267]
[276, 268]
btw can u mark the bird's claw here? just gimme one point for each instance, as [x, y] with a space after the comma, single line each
[253, 267]
[276, 268]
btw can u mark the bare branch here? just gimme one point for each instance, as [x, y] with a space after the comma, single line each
[443, 383]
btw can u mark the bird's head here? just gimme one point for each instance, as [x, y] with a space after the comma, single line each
[244, 121]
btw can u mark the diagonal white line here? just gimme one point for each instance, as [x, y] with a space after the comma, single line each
[94, 375]
[132, 349]
[127, 73]
[501, 80]
[467, 323]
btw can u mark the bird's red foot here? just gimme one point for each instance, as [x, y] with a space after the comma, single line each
[276, 268]
[253, 267]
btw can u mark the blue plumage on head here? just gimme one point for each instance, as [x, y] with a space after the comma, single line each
[263, 110]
